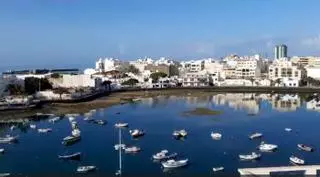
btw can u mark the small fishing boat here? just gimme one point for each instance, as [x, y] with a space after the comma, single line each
[136, 99]
[99, 122]
[180, 133]
[174, 164]
[118, 146]
[255, 136]
[33, 126]
[216, 136]
[216, 169]
[288, 129]
[70, 140]
[4, 174]
[305, 147]
[74, 156]
[136, 133]
[121, 125]
[297, 161]
[44, 130]
[76, 132]
[54, 119]
[263, 147]
[85, 169]
[13, 127]
[163, 155]
[71, 118]
[8, 139]
[1, 151]
[252, 156]
[132, 149]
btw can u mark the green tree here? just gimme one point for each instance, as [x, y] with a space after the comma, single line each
[15, 89]
[130, 82]
[155, 76]
[32, 85]
[61, 91]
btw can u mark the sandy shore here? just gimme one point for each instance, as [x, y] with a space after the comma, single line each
[103, 102]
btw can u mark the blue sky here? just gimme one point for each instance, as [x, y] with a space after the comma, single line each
[64, 33]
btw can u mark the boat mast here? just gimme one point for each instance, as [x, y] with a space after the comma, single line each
[119, 173]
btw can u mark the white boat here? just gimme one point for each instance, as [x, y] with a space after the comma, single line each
[71, 118]
[33, 126]
[256, 135]
[70, 140]
[136, 133]
[216, 136]
[252, 156]
[99, 122]
[174, 164]
[121, 125]
[44, 130]
[13, 127]
[216, 169]
[8, 139]
[74, 156]
[1, 150]
[4, 174]
[288, 129]
[296, 160]
[76, 132]
[54, 119]
[118, 146]
[85, 169]
[163, 155]
[305, 147]
[132, 149]
[180, 133]
[267, 147]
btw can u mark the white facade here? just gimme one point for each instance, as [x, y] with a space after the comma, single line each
[39, 76]
[248, 68]
[313, 71]
[193, 66]
[288, 82]
[76, 81]
[281, 69]
[215, 68]
[198, 79]
[107, 64]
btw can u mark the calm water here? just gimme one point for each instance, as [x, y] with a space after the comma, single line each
[36, 154]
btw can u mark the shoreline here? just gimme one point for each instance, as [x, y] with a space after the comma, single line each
[115, 98]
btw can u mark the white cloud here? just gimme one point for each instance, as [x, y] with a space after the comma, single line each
[312, 42]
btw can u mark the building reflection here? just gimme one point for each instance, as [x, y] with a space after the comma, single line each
[239, 101]
[313, 104]
[285, 103]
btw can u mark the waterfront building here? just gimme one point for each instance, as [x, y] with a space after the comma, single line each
[107, 64]
[248, 68]
[305, 61]
[158, 68]
[282, 68]
[214, 68]
[313, 71]
[196, 79]
[280, 51]
[76, 81]
[193, 65]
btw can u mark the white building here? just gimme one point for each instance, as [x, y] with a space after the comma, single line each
[163, 61]
[283, 68]
[107, 64]
[248, 68]
[215, 68]
[196, 79]
[313, 71]
[193, 65]
[76, 81]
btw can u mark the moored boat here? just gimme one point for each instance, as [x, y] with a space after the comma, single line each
[267, 147]
[132, 149]
[305, 147]
[288, 129]
[1, 150]
[163, 155]
[74, 156]
[121, 125]
[69, 140]
[216, 169]
[99, 122]
[180, 133]
[76, 132]
[255, 135]
[85, 169]
[252, 156]
[118, 146]
[136, 133]
[54, 120]
[174, 163]
[297, 161]
[216, 136]
[8, 139]
[33, 126]
[44, 130]
[4, 174]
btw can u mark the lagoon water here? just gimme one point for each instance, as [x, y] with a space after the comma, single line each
[36, 154]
